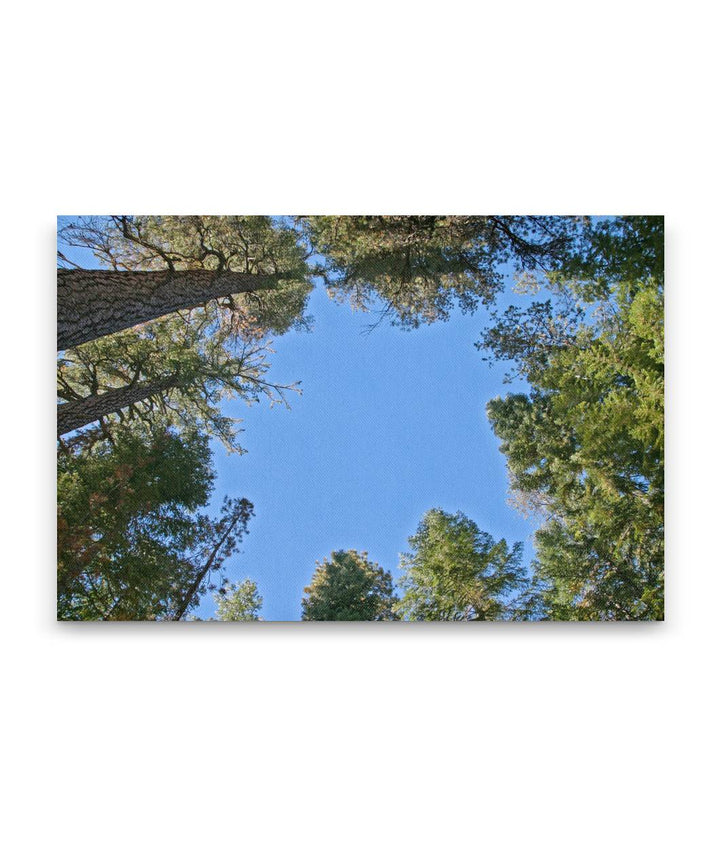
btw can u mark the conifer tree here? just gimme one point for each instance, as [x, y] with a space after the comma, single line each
[133, 543]
[418, 267]
[456, 572]
[348, 587]
[585, 447]
[238, 602]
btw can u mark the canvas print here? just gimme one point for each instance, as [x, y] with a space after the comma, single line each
[360, 418]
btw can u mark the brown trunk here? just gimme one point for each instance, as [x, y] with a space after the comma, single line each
[75, 414]
[192, 591]
[94, 303]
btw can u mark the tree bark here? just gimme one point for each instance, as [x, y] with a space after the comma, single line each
[94, 303]
[75, 414]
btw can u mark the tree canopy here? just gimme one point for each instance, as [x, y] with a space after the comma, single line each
[585, 446]
[420, 266]
[238, 602]
[132, 542]
[259, 246]
[130, 547]
[161, 344]
[177, 370]
[348, 587]
[456, 572]
[182, 365]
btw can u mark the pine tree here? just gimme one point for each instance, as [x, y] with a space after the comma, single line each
[133, 543]
[456, 572]
[348, 587]
[585, 447]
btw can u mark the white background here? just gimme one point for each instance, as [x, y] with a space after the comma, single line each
[384, 739]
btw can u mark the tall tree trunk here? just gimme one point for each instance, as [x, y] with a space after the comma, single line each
[94, 303]
[75, 414]
[192, 591]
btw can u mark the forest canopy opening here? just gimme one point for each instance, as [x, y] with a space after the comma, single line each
[177, 320]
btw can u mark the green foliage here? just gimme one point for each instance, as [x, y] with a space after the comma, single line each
[419, 266]
[585, 447]
[202, 368]
[208, 354]
[349, 587]
[132, 544]
[613, 250]
[456, 572]
[238, 602]
[255, 245]
[585, 444]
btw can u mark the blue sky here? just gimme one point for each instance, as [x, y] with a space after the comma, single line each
[390, 424]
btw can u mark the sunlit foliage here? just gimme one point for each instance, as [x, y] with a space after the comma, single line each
[348, 587]
[585, 447]
[419, 267]
[238, 602]
[456, 572]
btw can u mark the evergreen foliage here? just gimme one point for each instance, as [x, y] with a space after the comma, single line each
[253, 245]
[456, 572]
[199, 356]
[584, 442]
[348, 587]
[238, 602]
[585, 446]
[132, 543]
[420, 266]
[198, 367]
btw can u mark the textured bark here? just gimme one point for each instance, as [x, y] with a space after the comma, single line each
[94, 303]
[75, 414]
